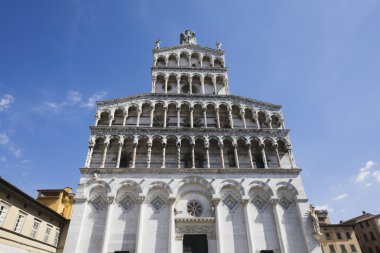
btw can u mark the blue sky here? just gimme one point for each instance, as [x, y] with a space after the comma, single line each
[319, 59]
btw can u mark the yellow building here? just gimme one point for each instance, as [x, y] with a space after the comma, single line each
[60, 200]
[337, 238]
[26, 225]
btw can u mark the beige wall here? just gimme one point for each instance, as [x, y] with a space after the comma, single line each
[32, 211]
[333, 230]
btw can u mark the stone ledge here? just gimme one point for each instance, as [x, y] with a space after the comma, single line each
[195, 219]
[189, 171]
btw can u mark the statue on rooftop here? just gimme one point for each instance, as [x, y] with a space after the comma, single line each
[188, 37]
[158, 44]
[218, 46]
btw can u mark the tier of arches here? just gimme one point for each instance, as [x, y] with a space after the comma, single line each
[188, 152]
[184, 114]
[188, 59]
[215, 84]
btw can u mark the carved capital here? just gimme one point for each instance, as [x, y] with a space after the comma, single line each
[273, 202]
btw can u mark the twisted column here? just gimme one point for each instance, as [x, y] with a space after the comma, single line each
[179, 154]
[149, 154]
[230, 117]
[151, 115]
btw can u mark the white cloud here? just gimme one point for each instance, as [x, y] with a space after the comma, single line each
[376, 174]
[7, 144]
[340, 197]
[365, 171]
[4, 139]
[324, 207]
[6, 101]
[91, 102]
[73, 98]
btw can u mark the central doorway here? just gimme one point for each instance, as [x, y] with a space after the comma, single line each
[195, 244]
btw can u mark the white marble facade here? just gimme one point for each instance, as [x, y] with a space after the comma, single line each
[190, 159]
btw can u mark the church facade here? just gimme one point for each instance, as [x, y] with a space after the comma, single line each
[190, 168]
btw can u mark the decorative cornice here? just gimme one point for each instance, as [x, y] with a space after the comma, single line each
[222, 98]
[189, 171]
[208, 70]
[126, 130]
[192, 47]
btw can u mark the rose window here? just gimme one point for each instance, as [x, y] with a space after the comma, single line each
[194, 208]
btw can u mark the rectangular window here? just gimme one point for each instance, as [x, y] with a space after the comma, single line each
[47, 233]
[328, 236]
[3, 212]
[332, 249]
[353, 248]
[343, 248]
[19, 222]
[339, 236]
[348, 235]
[56, 238]
[365, 237]
[372, 236]
[36, 225]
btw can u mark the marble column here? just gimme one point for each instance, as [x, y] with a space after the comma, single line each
[248, 227]
[179, 155]
[110, 117]
[203, 85]
[262, 146]
[149, 154]
[217, 118]
[291, 157]
[135, 143]
[97, 117]
[242, 114]
[138, 117]
[178, 85]
[204, 109]
[166, 84]
[275, 146]
[207, 155]
[230, 117]
[106, 145]
[91, 145]
[193, 155]
[154, 84]
[151, 116]
[191, 117]
[280, 232]
[191, 85]
[178, 116]
[125, 116]
[221, 154]
[234, 144]
[250, 154]
[163, 165]
[256, 118]
[165, 115]
[140, 224]
[107, 227]
[121, 143]
[270, 123]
